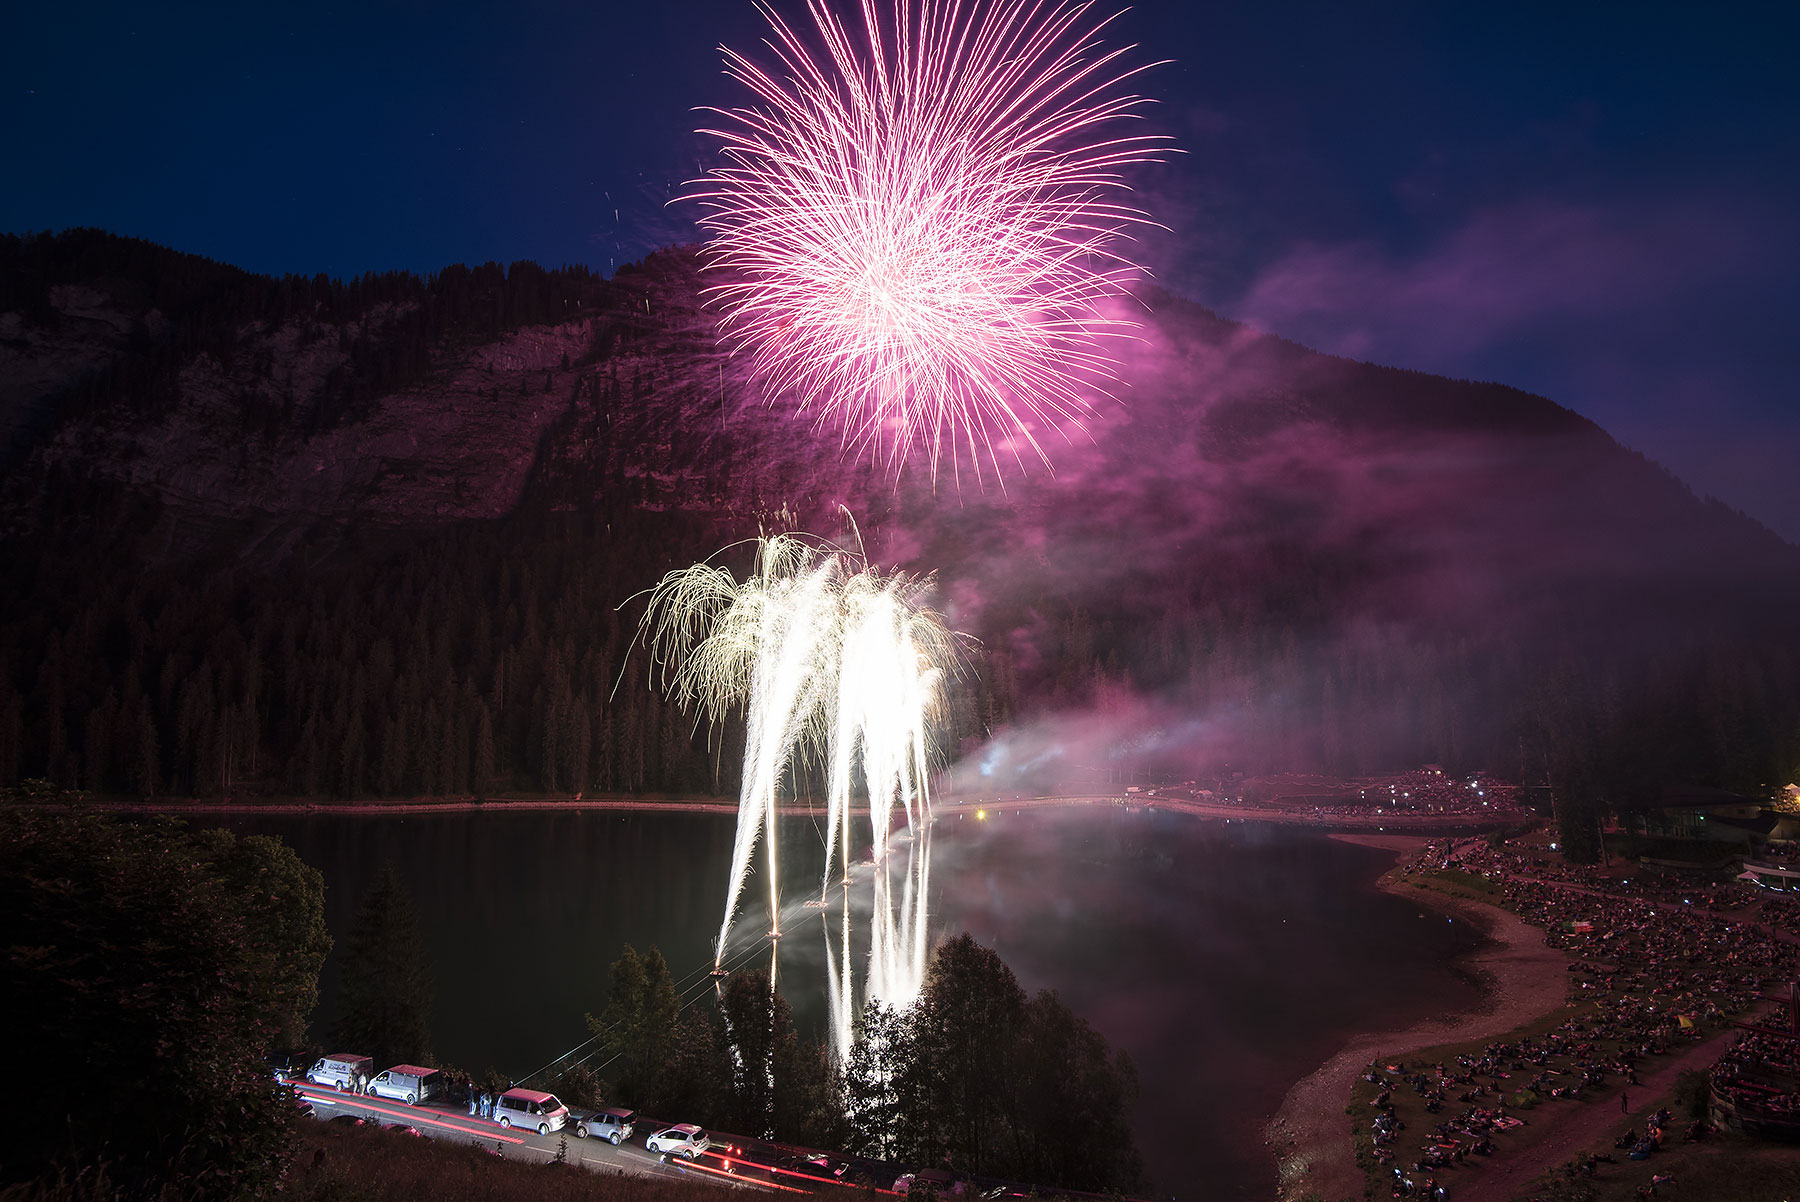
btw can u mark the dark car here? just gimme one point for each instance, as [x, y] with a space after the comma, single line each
[864, 1174]
[289, 1066]
[813, 1164]
[350, 1120]
[935, 1180]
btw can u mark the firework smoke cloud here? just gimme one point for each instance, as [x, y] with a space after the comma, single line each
[920, 221]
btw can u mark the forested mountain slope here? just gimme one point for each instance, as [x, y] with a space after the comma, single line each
[373, 538]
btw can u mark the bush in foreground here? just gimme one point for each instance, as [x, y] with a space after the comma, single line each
[151, 968]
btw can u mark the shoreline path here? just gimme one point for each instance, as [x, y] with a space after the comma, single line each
[1523, 980]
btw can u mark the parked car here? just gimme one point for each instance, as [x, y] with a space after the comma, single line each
[813, 1164]
[531, 1109]
[939, 1182]
[408, 1083]
[288, 1066]
[345, 1070]
[864, 1174]
[613, 1125]
[760, 1156]
[350, 1120]
[683, 1139]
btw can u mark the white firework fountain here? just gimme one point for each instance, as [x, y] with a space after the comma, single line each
[836, 664]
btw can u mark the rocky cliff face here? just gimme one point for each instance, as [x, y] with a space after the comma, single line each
[459, 446]
[39, 360]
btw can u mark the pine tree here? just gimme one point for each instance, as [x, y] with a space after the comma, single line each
[393, 758]
[146, 771]
[483, 768]
[12, 735]
[637, 1028]
[760, 1030]
[871, 1102]
[385, 982]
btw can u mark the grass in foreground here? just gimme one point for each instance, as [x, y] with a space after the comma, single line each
[340, 1164]
[1723, 1168]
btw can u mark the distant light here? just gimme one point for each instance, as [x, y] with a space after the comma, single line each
[981, 815]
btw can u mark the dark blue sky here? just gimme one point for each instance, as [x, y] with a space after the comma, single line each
[1594, 202]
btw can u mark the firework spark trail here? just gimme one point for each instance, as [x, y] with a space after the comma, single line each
[831, 660]
[918, 221]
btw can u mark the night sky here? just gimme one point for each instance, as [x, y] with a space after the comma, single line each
[1597, 203]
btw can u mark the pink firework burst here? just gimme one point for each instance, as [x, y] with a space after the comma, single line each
[921, 222]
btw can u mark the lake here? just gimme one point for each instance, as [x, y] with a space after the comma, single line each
[1229, 959]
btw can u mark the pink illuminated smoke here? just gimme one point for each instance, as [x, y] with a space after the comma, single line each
[920, 221]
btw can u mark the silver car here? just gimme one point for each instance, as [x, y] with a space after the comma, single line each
[613, 1125]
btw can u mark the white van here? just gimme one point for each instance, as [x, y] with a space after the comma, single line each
[528, 1108]
[408, 1083]
[345, 1070]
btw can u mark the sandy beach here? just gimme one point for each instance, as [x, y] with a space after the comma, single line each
[1523, 980]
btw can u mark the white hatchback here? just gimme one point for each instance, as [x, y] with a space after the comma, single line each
[683, 1139]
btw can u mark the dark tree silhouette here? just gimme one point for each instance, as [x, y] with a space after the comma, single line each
[153, 989]
[637, 1029]
[386, 985]
[986, 1080]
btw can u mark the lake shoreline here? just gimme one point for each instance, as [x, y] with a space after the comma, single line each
[1355, 827]
[1521, 980]
[1256, 1158]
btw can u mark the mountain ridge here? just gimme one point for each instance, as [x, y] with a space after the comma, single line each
[1335, 563]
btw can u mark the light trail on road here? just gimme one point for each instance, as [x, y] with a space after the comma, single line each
[411, 1114]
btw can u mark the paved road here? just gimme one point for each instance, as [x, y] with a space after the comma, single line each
[1586, 1128]
[457, 1125]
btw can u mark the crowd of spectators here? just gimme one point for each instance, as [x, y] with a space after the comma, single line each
[1425, 793]
[1658, 962]
[1758, 1082]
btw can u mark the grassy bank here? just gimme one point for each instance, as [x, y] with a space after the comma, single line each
[1722, 1168]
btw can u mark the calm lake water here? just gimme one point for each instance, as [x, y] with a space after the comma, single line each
[1229, 959]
